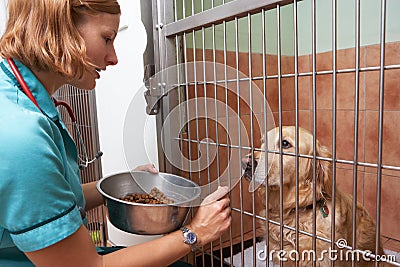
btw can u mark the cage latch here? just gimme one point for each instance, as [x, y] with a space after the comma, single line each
[153, 95]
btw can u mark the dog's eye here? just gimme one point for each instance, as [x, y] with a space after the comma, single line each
[286, 144]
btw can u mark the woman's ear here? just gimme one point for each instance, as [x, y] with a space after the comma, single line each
[324, 171]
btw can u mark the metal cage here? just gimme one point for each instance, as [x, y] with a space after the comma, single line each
[223, 73]
[83, 104]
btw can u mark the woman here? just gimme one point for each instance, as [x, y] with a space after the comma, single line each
[56, 42]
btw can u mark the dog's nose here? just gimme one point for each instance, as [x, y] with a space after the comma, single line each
[249, 165]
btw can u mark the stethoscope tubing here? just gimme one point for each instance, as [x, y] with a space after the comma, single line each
[29, 94]
[22, 82]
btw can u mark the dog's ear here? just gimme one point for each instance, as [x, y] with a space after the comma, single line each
[324, 171]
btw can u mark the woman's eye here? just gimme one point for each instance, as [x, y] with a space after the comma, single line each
[107, 39]
[286, 144]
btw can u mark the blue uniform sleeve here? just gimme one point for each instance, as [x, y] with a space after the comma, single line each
[37, 205]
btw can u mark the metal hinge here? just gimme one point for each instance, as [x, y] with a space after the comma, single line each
[153, 95]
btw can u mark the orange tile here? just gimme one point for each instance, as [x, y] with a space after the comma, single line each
[345, 182]
[324, 91]
[208, 55]
[305, 93]
[392, 90]
[371, 83]
[288, 118]
[287, 91]
[370, 193]
[371, 137]
[324, 61]
[305, 119]
[189, 55]
[324, 128]
[304, 64]
[231, 62]
[256, 65]
[390, 138]
[244, 63]
[344, 133]
[219, 57]
[246, 104]
[391, 244]
[271, 62]
[287, 64]
[346, 91]
[272, 94]
[372, 56]
[392, 53]
[389, 199]
[199, 54]
[346, 59]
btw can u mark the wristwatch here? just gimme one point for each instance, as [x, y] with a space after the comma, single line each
[190, 238]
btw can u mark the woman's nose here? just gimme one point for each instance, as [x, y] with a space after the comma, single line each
[112, 58]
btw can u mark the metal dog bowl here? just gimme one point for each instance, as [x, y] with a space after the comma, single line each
[147, 219]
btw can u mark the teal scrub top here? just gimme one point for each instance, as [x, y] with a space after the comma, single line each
[40, 186]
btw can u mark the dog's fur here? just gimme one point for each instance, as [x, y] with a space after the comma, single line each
[365, 226]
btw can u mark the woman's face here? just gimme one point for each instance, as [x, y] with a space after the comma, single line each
[99, 33]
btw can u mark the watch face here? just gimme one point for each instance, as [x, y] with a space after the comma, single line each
[191, 238]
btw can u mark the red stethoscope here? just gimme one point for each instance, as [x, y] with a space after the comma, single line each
[83, 162]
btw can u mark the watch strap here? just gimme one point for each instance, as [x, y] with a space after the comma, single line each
[185, 231]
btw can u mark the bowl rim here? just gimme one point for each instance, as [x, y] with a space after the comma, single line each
[176, 204]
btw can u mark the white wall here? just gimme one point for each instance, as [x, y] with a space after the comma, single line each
[117, 88]
[115, 91]
[3, 15]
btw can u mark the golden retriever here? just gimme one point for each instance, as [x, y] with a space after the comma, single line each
[270, 181]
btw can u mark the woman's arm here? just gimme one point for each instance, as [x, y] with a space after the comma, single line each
[92, 196]
[209, 223]
[78, 250]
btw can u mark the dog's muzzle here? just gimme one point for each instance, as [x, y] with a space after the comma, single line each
[249, 165]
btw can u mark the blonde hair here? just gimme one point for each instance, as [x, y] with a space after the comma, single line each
[42, 34]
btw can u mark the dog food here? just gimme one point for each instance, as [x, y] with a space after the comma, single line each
[154, 197]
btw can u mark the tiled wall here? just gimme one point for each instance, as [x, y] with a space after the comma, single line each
[368, 113]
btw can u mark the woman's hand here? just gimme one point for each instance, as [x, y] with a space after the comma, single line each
[147, 168]
[213, 217]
